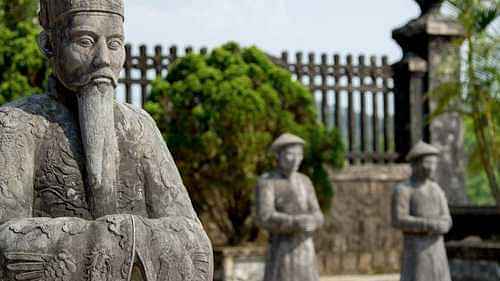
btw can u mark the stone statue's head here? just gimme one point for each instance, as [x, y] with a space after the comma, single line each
[423, 158]
[289, 151]
[83, 40]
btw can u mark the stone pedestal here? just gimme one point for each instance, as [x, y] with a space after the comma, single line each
[240, 263]
[474, 260]
[430, 46]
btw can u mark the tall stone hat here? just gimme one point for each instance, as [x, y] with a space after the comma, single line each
[284, 140]
[421, 149]
[52, 11]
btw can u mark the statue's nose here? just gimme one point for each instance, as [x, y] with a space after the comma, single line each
[102, 55]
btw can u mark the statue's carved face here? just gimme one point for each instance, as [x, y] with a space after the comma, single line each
[426, 166]
[290, 157]
[90, 50]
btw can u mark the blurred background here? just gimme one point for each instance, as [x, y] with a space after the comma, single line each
[360, 81]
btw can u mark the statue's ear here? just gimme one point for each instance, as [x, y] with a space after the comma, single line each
[45, 45]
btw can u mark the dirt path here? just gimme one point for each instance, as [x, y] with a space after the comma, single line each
[391, 277]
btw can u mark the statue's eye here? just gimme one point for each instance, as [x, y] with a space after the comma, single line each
[85, 42]
[115, 44]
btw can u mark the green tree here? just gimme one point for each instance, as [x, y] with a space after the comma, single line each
[477, 96]
[22, 66]
[219, 113]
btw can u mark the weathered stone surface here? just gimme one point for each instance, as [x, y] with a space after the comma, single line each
[365, 263]
[240, 263]
[350, 262]
[420, 211]
[288, 209]
[473, 259]
[88, 188]
[474, 270]
[359, 221]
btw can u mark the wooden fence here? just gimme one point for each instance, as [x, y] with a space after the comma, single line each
[356, 97]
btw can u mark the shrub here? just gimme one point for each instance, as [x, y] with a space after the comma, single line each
[22, 66]
[219, 113]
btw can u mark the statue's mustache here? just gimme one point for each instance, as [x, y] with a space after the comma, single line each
[100, 75]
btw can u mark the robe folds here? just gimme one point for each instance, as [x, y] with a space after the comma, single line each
[280, 203]
[422, 214]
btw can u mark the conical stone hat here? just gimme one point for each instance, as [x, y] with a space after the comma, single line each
[284, 140]
[52, 11]
[422, 149]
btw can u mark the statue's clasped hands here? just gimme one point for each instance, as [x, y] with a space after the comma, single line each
[305, 222]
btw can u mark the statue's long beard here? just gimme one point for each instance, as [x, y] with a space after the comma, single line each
[96, 115]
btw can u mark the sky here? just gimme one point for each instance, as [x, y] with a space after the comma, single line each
[330, 26]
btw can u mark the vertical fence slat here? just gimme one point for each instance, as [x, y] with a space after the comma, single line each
[284, 60]
[143, 66]
[299, 66]
[311, 72]
[351, 119]
[362, 120]
[385, 80]
[311, 75]
[128, 75]
[158, 60]
[324, 88]
[336, 77]
[375, 117]
[172, 53]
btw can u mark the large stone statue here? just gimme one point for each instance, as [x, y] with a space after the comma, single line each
[88, 188]
[420, 210]
[287, 207]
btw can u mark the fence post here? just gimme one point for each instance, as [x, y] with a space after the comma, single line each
[429, 44]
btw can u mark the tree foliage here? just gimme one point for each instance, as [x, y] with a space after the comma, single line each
[477, 96]
[22, 66]
[219, 113]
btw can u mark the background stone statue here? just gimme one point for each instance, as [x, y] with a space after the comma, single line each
[88, 188]
[420, 210]
[287, 207]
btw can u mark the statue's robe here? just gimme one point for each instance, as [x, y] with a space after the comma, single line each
[423, 216]
[291, 255]
[46, 228]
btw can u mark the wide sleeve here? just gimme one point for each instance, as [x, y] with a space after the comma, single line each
[267, 216]
[444, 222]
[17, 154]
[184, 249]
[315, 210]
[401, 217]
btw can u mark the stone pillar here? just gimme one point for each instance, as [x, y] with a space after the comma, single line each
[429, 45]
[409, 79]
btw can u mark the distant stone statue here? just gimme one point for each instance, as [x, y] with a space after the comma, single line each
[88, 188]
[420, 210]
[287, 207]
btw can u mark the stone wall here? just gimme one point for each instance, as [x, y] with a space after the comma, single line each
[357, 236]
